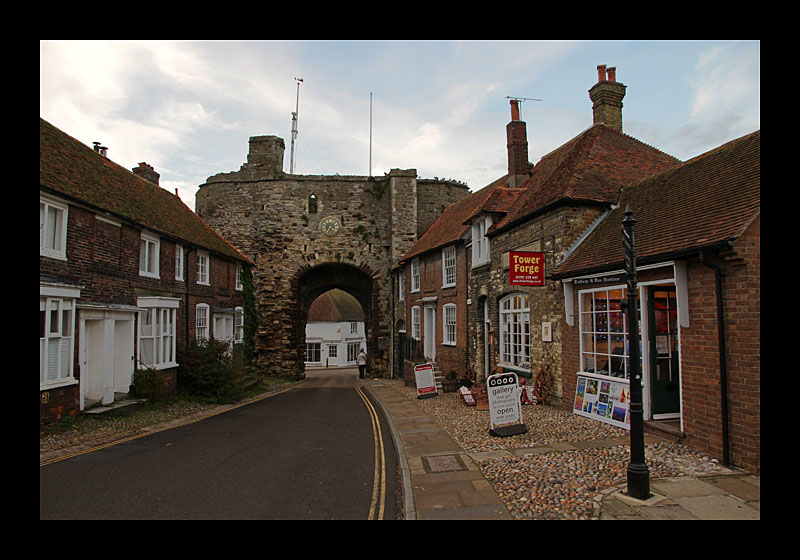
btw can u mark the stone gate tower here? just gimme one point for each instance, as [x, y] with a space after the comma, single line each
[311, 233]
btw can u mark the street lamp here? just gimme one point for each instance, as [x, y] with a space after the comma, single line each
[638, 473]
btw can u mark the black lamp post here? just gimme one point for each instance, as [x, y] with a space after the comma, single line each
[638, 473]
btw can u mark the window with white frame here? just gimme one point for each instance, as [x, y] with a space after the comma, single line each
[313, 352]
[239, 285]
[352, 351]
[449, 324]
[203, 266]
[178, 262]
[449, 266]
[56, 340]
[148, 255]
[52, 229]
[238, 324]
[415, 275]
[333, 351]
[480, 243]
[201, 321]
[401, 284]
[604, 332]
[353, 327]
[157, 331]
[416, 324]
[515, 330]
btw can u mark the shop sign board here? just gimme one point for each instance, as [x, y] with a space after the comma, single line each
[526, 268]
[426, 384]
[505, 411]
[604, 400]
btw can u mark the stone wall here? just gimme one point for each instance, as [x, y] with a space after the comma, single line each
[310, 233]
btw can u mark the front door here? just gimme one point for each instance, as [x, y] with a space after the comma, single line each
[662, 313]
[429, 334]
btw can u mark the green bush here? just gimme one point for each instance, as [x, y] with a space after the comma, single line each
[206, 370]
[148, 384]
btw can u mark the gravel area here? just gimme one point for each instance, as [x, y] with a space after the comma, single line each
[556, 485]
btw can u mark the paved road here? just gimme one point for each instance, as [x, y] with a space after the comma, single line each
[318, 451]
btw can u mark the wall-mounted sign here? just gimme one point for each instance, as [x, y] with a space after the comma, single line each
[607, 279]
[505, 412]
[426, 384]
[605, 400]
[526, 268]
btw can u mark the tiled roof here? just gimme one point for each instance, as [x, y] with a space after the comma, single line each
[72, 169]
[590, 168]
[705, 203]
[454, 222]
[335, 305]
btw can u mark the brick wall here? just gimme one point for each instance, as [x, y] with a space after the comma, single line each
[700, 354]
[700, 361]
[103, 258]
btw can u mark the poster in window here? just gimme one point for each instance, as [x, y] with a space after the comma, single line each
[604, 400]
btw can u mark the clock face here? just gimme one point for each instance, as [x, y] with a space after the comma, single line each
[329, 225]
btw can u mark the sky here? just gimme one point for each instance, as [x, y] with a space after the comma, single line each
[188, 108]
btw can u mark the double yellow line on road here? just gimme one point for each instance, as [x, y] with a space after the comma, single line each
[376, 507]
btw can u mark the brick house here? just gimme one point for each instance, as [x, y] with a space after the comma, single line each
[697, 236]
[127, 274]
[542, 208]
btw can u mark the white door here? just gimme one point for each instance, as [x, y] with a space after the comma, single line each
[106, 355]
[429, 332]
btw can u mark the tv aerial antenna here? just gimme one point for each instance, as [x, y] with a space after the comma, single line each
[520, 99]
[294, 125]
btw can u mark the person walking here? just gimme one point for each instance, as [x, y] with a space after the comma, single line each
[362, 363]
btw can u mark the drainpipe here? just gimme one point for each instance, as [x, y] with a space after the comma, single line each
[186, 306]
[723, 371]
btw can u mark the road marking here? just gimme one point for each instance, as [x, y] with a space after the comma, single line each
[376, 507]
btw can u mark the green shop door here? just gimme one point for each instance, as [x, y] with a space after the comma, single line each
[662, 311]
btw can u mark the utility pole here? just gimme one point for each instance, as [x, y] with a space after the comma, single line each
[294, 126]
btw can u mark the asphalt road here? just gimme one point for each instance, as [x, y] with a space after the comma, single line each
[321, 450]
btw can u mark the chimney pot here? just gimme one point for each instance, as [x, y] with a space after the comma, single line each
[606, 96]
[515, 109]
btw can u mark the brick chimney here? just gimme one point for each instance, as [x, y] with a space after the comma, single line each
[146, 172]
[606, 96]
[517, 144]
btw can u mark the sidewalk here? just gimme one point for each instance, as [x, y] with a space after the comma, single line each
[441, 480]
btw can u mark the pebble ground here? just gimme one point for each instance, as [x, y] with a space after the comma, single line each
[556, 485]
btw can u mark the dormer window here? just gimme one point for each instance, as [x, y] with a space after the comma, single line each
[480, 243]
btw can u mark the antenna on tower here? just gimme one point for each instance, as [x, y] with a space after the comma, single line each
[521, 99]
[294, 125]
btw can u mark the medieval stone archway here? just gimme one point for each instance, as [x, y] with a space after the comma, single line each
[310, 282]
[308, 233]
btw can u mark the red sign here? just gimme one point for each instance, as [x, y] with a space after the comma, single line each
[526, 268]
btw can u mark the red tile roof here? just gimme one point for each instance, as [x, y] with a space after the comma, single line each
[335, 305]
[591, 168]
[454, 222]
[71, 169]
[706, 203]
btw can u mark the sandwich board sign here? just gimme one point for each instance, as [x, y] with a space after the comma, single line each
[505, 412]
[426, 384]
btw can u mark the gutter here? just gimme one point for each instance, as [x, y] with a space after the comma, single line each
[723, 371]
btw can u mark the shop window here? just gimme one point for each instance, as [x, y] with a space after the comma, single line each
[604, 332]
